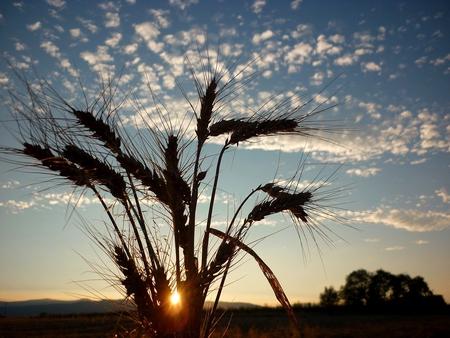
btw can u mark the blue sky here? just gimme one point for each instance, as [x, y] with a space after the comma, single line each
[393, 58]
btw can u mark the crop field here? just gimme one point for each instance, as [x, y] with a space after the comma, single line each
[263, 323]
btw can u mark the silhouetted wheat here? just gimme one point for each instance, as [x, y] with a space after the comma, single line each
[91, 149]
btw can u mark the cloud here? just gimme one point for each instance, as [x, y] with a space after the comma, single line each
[88, 24]
[444, 195]
[409, 219]
[421, 242]
[258, 6]
[182, 4]
[51, 49]
[10, 184]
[149, 32]
[56, 3]
[440, 61]
[130, 49]
[114, 40]
[299, 54]
[363, 173]
[75, 32]
[370, 67]
[395, 248]
[346, 60]
[324, 47]
[17, 206]
[372, 240]
[112, 19]
[159, 16]
[422, 160]
[296, 4]
[317, 79]
[109, 6]
[34, 26]
[3, 79]
[257, 38]
[99, 60]
[420, 62]
[19, 46]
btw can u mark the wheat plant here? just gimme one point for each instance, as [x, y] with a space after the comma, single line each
[158, 169]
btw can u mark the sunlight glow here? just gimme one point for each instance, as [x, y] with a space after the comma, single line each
[175, 298]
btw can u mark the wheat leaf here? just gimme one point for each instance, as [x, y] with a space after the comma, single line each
[271, 278]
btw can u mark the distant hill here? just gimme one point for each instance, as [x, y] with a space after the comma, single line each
[51, 306]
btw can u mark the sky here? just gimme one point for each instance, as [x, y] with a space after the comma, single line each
[387, 64]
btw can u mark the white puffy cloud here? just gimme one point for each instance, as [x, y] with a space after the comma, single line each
[75, 32]
[88, 24]
[19, 46]
[114, 40]
[444, 195]
[51, 49]
[346, 60]
[258, 5]
[296, 4]
[112, 19]
[257, 38]
[34, 26]
[149, 32]
[159, 15]
[409, 219]
[370, 67]
[363, 172]
[395, 248]
[182, 4]
[56, 3]
[299, 54]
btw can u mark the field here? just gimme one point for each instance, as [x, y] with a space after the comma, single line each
[245, 323]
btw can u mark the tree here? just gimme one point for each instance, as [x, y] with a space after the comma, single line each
[356, 288]
[158, 167]
[329, 297]
[381, 288]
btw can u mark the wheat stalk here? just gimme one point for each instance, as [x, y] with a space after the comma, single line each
[150, 182]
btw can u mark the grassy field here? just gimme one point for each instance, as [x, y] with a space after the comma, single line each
[262, 323]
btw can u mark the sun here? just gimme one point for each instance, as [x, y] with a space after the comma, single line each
[175, 298]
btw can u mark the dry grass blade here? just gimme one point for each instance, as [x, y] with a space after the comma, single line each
[271, 278]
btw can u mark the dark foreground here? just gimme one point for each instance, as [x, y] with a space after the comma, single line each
[245, 323]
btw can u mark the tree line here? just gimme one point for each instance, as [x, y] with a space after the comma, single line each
[382, 289]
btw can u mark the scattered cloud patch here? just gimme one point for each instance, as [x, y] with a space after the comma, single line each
[34, 26]
[346, 60]
[19, 46]
[149, 32]
[370, 67]
[75, 33]
[258, 6]
[409, 219]
[421, 242]
[51, 49]
[296, 4]
[363, 172]
[442, 193]
[257, 38]
[114, 40]
[372, 240]
[112, 19]
[56, 3]
[182, 4]
[395, 248]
